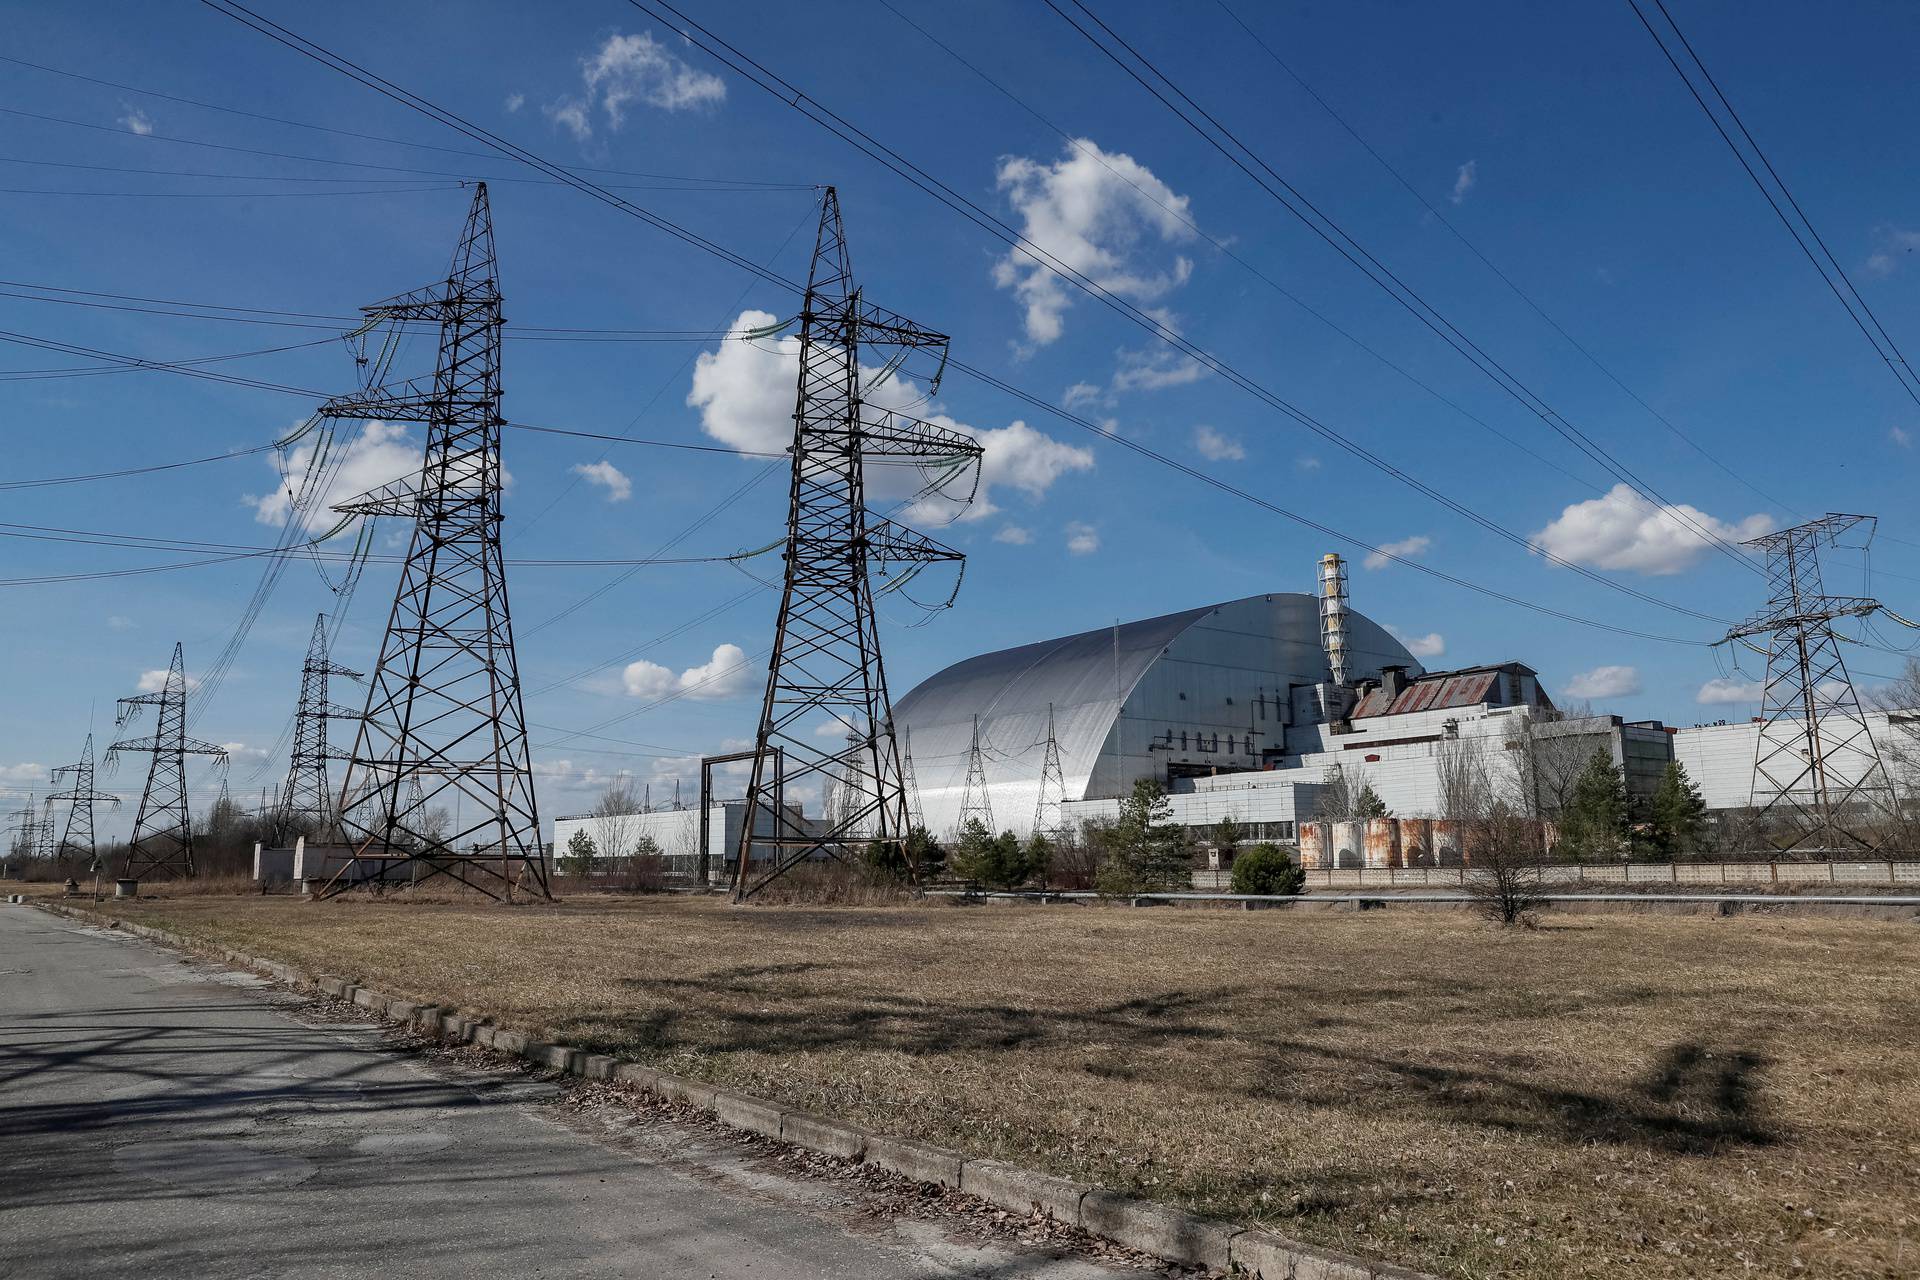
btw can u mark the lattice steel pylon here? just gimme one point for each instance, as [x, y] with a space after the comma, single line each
[826, 665]
[909, 783]
[1819, 785]
[306, 799]
[162, 842]
[976, 803]
[25, 829]
[77, 840]
[1050, 807]
[444, 704]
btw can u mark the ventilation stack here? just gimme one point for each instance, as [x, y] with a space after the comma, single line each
[1333, 614]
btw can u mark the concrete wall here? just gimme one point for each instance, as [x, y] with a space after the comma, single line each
[1719, 757]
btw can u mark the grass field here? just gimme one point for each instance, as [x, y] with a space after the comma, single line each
[1603, 1096]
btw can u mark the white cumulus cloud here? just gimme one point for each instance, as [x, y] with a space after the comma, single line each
[1604, 682]
[1894, 244]
[515, 101]
[609, 477]
[1463, 181]
[1216, 446]
[120, 622]
[1014, 535]
[137, 121]
[1100, 213]
[626, 70]
[1382, 556]
[727, 674]
[156, 680]
[1622, 530]
[1082, 539]
[382, 453]
[1155, 369]
[744, 392]
[1430, 645]
[1724, 689]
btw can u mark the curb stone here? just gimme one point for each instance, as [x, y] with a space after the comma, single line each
[1161, 1230]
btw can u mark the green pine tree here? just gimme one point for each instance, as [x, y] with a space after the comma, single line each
[1368, 803]
[581, 852]
[1149, 852]
[1594, 822]
[1679, 815]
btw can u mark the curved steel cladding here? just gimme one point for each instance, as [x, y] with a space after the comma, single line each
[1190, 692]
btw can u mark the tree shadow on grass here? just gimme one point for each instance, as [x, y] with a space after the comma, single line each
[1224, 1040]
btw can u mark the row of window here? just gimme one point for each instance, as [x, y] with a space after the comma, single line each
[1251, 831]
[1205, 743]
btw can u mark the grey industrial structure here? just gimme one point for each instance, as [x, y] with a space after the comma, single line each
[1235, 709]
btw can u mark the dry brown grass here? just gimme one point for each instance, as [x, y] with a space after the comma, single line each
[1604, 1096]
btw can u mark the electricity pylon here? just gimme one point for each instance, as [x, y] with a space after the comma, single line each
[908, 782]
[1050, 807]
[826, 664]
[1819, 785]
[975, 801]
[25, 829]
[305, 799]
[162, 841]
[443, 703]
[80, 797]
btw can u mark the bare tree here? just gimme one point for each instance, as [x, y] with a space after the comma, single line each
[1466, 782]
[613, 825]
[1503, 876]
[1339, 796]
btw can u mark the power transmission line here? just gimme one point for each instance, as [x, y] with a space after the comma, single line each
[797, 99]
[1453, 230]
[1799, 226]
[369, 137]
[1362, 259]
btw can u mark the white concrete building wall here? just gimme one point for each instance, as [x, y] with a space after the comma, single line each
[1719, 757]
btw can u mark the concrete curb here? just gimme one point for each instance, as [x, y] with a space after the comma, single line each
[1158, 1229]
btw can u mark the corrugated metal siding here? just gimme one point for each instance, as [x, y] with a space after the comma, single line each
[1223, 659]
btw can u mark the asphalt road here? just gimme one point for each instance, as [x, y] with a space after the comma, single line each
[164, 1118]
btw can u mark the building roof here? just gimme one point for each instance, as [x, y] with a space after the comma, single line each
[1087, 679]
[1439, 690]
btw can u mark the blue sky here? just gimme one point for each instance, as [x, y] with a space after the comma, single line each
[1556, 139]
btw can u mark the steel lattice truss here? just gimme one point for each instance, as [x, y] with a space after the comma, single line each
[826, 668]
[78, 842]
[1050, 807]
[439, 781]
[1819, 785]
[976, 802]
[306, 800]
[162, 842]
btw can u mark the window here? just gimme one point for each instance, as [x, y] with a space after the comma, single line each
[1233, 748]
[1183, 736]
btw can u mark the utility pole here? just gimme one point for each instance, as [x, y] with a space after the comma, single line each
[1049, 810]
[826, 663]
[443, 703]
[80, 796]
[162, 842]
[306, 800]
[1819, 785]
[975, 801]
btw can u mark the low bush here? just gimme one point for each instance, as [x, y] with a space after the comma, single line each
[1266, 868]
